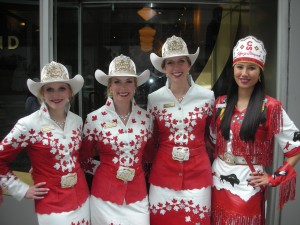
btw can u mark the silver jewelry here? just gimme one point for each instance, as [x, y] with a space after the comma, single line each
[180, 99]
[189, 78]
[60, 124]
[124, 117]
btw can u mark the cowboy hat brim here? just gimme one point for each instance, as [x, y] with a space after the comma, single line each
[157, 61]
[76, 84]
[103, 78]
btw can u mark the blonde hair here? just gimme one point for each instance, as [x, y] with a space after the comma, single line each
[41, 94]
[108, 93]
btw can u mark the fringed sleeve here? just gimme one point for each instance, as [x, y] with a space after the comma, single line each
[287, 189]
[284, 130]
[285, 176]
[274, 116]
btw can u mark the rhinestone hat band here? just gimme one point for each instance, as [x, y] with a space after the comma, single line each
[174, 46]
[54, 72]
[122, 64]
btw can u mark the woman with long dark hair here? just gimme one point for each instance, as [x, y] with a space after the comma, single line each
[246, 123]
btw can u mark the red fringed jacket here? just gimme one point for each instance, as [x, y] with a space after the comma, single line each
[277, 126]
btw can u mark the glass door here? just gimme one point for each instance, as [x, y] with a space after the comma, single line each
[88, 35]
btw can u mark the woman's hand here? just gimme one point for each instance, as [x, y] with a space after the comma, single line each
[36, 191]
[258, 178]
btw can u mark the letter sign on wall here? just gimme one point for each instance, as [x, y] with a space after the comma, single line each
[12, 42]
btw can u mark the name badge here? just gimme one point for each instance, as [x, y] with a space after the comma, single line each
[223, 105]
[110, 125]
[47, 128]
[169, 105]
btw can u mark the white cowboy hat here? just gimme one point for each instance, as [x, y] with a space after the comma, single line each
[121, 66]
[174, 46]
[55, 72]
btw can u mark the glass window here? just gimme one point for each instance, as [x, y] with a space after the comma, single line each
[67, 43]
[136, 30]
[19, 60]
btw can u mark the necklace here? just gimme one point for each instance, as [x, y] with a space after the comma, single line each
[180, 99]
[60, 124]
[124, 117]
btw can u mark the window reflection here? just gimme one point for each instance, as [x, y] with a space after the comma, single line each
[19, 60]
[113, 29]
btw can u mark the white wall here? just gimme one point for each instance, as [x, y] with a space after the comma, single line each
[13, 212]
[291, 212]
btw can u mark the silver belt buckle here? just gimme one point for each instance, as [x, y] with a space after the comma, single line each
[69, 180]
[181, 153]
[125, 173]
[229, 158]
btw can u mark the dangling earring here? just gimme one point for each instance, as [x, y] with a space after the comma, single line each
[259, 80]
[169, 81]
[133, 95]
[109, 93]
[189, 78]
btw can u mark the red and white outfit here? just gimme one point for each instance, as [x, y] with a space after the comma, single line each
[180, 190]
[233, 200]
[113, 200]
[53, 154]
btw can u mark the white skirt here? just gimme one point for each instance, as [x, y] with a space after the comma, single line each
[221, 169]
[78, 216]
[105, 213]
[168, 206]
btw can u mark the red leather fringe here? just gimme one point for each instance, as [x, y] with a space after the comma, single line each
[287, 189]
[220, 219]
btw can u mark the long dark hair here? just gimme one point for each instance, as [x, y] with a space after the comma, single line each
[254, 115]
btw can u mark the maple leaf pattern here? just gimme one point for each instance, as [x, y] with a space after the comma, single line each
[4, 179]
[194, 213]
[187, 124]
[127, 142]
[63, 150]
[287, 145]
[81, 222]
